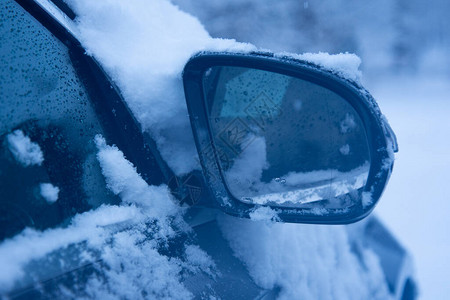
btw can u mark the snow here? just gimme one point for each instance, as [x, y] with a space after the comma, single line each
[198, 260]
[123, 180]
[367, 199]
[136, 268]
[264, 213]
[133, 264]
[345, 65]
[144, 50]
[24, 150]
[31, 244]
[49, 192]
[306, 262]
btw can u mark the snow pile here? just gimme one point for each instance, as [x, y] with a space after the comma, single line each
[24, 150]
[264, 213]
[31, 244]
[123, 180]
[49, 192]
[144, 45]
[135, 269]
[132, 264]
[306, 262]
[345, 65]
[135, 266]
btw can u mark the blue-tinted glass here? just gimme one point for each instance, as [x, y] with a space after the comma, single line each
[286, 141]
[48, 165]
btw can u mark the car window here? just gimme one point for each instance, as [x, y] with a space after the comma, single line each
[48, 165]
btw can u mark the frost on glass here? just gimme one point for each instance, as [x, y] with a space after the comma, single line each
[285, 141]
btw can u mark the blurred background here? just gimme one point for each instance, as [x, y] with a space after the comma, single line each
[401, 36]
[405, 50]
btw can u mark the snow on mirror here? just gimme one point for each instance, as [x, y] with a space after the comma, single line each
[285, 141]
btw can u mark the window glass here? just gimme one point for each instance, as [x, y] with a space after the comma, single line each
[48, 165]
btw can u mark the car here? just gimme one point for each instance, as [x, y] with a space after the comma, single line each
[111, 188]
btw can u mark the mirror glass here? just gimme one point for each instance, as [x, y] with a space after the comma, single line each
[285, 141]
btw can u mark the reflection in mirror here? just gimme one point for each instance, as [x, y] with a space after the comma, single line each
[285, 141]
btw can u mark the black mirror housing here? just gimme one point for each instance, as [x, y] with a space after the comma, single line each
[218, 88]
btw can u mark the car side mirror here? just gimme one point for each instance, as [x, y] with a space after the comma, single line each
[288, 134]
